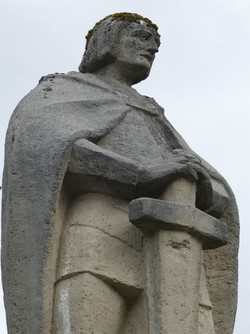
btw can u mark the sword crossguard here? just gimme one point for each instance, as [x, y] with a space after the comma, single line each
[151, 215]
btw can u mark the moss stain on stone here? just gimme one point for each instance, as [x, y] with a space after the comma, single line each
[125, 16]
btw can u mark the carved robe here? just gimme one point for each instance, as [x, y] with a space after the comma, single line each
[66, 118]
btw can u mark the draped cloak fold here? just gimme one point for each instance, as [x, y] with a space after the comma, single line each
[60, 110]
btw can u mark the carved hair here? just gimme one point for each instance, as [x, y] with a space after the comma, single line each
[103, 38]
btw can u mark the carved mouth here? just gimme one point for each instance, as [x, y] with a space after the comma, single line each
[147, 56]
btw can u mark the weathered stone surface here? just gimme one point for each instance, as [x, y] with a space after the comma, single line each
[79, 148]
[86, 304]
[151, 215]
[174, 236]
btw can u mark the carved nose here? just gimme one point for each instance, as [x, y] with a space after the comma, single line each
[153, 47]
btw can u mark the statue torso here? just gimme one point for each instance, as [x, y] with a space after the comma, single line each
[140, 136]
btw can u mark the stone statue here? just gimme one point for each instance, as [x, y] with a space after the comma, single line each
[111, 223]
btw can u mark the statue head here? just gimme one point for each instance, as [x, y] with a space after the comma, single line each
[124, 36]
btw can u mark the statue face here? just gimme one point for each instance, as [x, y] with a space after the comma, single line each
[136, 49]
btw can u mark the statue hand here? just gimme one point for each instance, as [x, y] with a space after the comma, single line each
[178, 164]
[182, 157]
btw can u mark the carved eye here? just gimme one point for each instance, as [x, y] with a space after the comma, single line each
[143, 37]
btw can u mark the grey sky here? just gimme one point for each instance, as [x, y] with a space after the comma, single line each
[201, 77]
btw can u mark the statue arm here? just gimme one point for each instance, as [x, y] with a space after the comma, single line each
[90, 160]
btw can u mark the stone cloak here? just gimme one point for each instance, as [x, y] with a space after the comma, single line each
[44, 126]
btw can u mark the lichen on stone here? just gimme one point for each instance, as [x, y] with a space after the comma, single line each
[124, 16]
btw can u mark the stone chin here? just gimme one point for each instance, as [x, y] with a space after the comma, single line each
[136, 69]
[142, 70]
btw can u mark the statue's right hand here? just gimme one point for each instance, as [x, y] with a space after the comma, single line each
[161, 174]
[157, 177]
[182, 157]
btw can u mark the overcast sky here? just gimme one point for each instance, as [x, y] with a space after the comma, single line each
[201, 77]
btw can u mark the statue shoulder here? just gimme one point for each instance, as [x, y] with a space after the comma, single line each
[56, 88]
